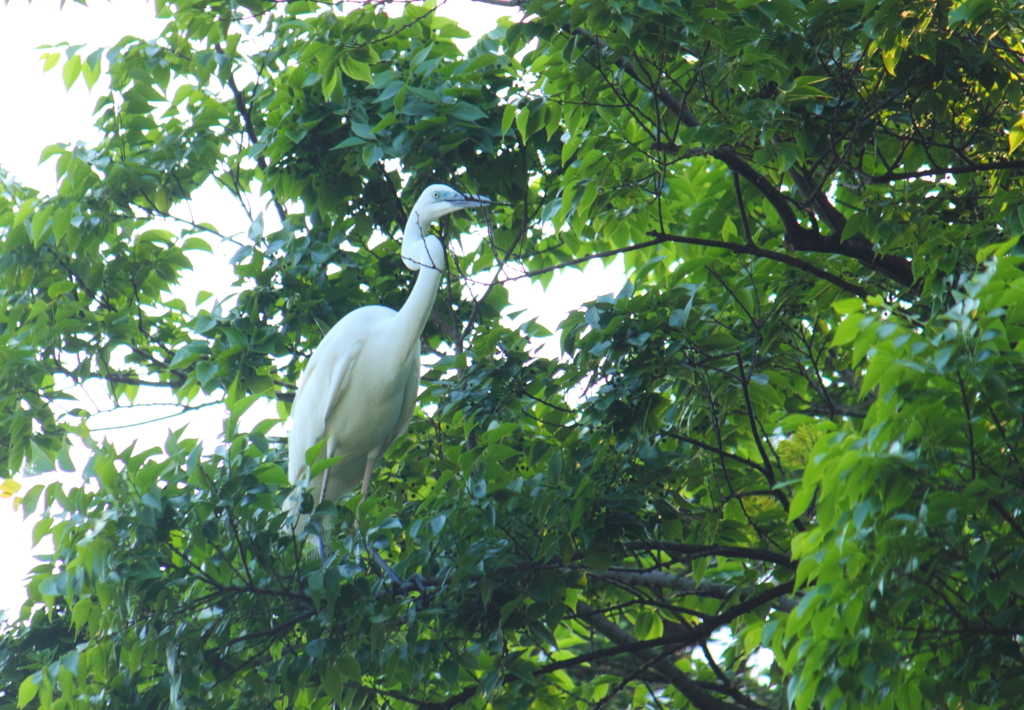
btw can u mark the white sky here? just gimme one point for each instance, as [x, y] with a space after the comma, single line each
[39, 112]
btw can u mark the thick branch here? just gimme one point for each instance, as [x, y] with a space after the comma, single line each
[749, 553]
[766, 254]
[812, 194]
[661, 238]
[799, 237]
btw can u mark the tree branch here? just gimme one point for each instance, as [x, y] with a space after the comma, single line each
[713, 449]
[796, 235]
[749, 553]
[250, 130]
[662, 238]
[766, 254]
[584, 259]
[700, 698]
[126, 379]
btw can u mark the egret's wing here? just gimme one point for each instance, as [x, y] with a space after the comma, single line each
[412, 388]
[409, 393]
[324, 383]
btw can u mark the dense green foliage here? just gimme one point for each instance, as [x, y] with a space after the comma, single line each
[794, 431]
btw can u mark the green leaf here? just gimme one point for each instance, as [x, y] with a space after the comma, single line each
[329, 82]
[648, 626]
[348, 667]
[360, 71]
[967, 11]
[372, 154]
[80, 612]
[848, 330]
[91, 68]
[196, 244]
[522, 122]
[40, 529]
[58, 288]
[71, 71]
[468, 112]
[27, 690]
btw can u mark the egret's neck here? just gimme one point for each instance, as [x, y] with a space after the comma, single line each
[420, 250]
[423, 253]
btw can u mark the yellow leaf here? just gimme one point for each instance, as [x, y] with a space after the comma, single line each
[9, 487]
[890, 58]
[1017, 134]
[794, 451]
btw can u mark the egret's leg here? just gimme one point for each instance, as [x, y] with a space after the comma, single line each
[320, 538]
[329, 453]
[323, 495]
[371, 459]
[323, 487]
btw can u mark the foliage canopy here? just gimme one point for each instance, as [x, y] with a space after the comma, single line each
[795, 430]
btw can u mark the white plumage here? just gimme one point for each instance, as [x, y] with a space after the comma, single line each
[359, 389]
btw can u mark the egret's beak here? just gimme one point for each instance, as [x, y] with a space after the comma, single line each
[465, 201]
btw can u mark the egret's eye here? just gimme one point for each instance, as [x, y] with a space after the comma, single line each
[437, 195]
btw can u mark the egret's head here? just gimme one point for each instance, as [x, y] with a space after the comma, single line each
[435, 202]
[439, 200]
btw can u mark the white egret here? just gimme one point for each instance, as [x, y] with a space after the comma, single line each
[359, 389]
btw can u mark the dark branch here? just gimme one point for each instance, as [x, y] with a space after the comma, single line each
[766, 254]
[713, 449]
[126, 379]
[748, 553]
[250, 130]
[662, 238]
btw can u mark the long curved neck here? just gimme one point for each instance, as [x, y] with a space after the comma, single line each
[426, 254]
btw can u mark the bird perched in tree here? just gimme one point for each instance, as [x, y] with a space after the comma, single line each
[359, 389]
